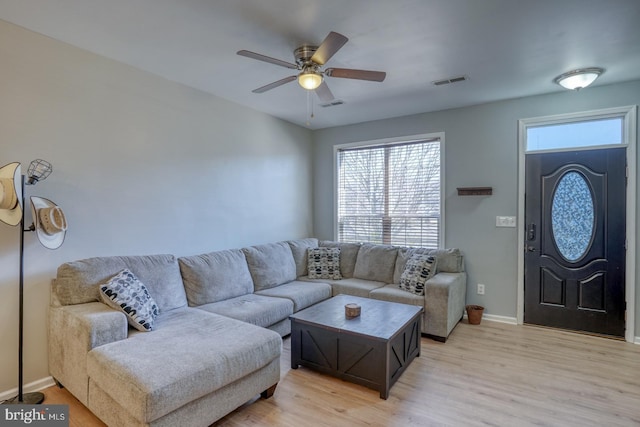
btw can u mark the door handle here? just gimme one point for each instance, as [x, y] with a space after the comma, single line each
[531, 249]
[531, 232]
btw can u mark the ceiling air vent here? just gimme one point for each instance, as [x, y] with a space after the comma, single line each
[333, 103]
[450, 80]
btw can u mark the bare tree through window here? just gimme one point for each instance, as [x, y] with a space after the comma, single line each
[390, 194]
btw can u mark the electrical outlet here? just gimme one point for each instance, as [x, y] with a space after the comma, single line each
[480, 289]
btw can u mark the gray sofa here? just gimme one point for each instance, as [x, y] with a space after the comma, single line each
[216, 343]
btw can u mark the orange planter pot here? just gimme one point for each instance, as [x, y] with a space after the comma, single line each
[474, 314]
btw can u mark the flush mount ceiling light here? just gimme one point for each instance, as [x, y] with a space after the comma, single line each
[310, 79]
[578, 79]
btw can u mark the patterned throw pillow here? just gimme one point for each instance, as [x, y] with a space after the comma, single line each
[418, 270]
[324, 263]
[126, 293]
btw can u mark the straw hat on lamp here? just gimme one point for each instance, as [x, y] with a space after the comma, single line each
[10, 194]
[50, 222]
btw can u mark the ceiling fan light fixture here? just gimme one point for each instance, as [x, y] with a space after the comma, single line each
[578, 79]
[310, 80]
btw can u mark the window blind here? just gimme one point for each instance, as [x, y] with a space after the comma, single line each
[390, 194]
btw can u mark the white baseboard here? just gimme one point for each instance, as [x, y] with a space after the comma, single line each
[636, 340]
[37, 385]
[499, 319]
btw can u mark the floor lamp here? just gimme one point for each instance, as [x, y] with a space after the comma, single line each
[50, 225]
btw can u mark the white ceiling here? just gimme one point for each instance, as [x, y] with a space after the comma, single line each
[507, 48]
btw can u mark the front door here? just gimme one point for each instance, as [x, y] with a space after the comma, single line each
[575, 208]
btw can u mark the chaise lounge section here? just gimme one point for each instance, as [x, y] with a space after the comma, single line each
[190, 370]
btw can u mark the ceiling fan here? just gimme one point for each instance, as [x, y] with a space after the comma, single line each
[309, 61]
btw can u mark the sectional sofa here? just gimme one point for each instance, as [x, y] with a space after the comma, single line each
[216, 342]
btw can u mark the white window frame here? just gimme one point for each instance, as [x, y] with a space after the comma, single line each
[629, 138]
[391, 141]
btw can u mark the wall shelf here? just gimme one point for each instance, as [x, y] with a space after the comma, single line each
[475, 191]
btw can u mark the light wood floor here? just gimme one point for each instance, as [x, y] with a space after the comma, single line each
[490, 374]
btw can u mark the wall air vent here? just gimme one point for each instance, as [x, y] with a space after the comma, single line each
[450, 80]
[332, 103]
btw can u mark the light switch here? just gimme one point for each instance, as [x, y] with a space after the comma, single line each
[505, 221]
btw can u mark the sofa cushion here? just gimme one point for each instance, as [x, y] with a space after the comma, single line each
[449, 260]
[376, 262]
[348, 255]
[324, 263]
[303, 294]
[419, 269]
[150, 383]
[270, 265]
[258, 310]
[78, 282]
[126, 293]
[215, 276]
[357, 287]
[299, 250]
[394, 294]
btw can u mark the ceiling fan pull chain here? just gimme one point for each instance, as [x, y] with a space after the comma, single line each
[309, 114]
[311, 103]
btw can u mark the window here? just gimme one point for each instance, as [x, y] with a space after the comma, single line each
[391, 193]
[575, 134]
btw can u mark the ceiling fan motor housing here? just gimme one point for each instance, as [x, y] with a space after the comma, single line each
[303, 56]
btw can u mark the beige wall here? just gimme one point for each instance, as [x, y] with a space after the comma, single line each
[141, 165]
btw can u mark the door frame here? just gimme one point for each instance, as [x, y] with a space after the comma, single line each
[629, 113]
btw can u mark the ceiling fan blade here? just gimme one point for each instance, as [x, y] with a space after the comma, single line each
[268, 59]
[324, 93]
[348, 73]
[274, 84]
[330, 45]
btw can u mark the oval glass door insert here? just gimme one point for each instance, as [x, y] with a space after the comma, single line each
[572, 216]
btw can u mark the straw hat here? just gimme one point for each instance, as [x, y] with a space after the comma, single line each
[50, 222]
[11, 194]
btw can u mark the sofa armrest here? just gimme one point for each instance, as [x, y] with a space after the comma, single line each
[445, 295]
[73, 331]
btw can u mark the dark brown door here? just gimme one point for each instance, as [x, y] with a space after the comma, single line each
[575, 209]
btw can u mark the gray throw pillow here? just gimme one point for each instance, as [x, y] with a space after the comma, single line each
[418, 270]
[126, 293]
[324, 263]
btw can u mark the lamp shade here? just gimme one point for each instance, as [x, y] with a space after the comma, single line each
[310, 80]
[11, 194]
[38, 170]
[578, 79]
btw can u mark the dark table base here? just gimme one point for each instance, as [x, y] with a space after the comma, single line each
[369, 361]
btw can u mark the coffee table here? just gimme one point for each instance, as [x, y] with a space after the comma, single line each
[373, 349]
